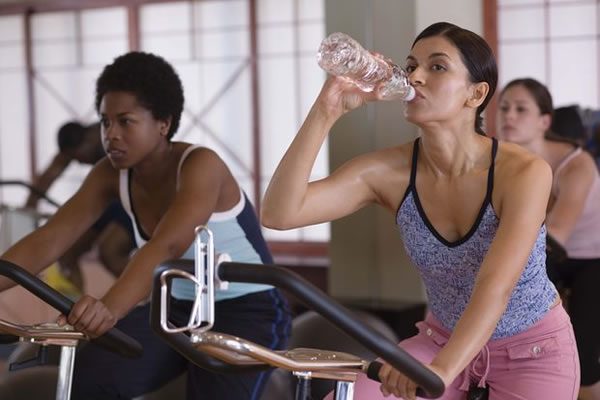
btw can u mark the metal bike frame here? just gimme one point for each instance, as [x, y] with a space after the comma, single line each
[51, 335]
[305, 364]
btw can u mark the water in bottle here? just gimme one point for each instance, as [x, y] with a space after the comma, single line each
[341, 55]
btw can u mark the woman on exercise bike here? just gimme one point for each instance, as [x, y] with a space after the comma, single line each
[471, 213]
[168, 188]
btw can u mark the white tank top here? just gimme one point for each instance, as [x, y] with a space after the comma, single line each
[584, 241]
[236, 233]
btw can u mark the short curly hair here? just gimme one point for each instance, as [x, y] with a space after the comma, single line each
[151, 79]
[70, 136]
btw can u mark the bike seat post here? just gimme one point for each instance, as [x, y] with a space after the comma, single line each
[303, 389]
[65, 371]
[52, 335]
[343, 390]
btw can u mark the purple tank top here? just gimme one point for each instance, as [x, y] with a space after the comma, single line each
[448, 269]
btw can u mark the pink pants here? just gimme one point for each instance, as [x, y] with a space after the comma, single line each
[537, 364]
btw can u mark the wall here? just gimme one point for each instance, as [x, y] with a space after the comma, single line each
[465, 13]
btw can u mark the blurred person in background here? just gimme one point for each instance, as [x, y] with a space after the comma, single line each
[567, 123]
[573, 216]
[112, 234]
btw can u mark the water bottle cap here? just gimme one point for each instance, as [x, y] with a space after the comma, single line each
[410, 94]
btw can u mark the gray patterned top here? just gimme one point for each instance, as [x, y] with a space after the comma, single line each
[448, 269]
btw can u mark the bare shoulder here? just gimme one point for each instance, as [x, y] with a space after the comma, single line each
[520, 173]
[105, 167]
[199, 156]
[399, 156]
[514, 161]
[380, 167]
[104, 171]
[392, 158]
[195, 151]
[204, 167]
[583, 165]
[386, 172]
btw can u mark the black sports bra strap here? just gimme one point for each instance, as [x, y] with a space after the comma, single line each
[413, 168]
[490, 181]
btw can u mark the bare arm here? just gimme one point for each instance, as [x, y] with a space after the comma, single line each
[114, 247]
[574, 184]
[203, 180]
[522, 212]
[69, 261]
[291, 200]
[43, 182]
[45, 245]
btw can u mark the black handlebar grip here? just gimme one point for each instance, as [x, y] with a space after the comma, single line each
[373, 370]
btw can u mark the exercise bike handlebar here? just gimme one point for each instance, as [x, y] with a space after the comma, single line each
[113, 340]
[316, 300]
[431, 386]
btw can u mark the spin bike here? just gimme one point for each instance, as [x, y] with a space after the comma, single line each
[224, 353]
[51, 334]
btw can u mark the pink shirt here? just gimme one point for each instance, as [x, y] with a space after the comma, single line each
[584, 241]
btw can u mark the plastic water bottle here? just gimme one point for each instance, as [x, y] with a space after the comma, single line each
[341, 55]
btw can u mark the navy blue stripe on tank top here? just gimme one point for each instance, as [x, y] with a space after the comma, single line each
[237, 233]
[280, 331]
[448, 269]
[248, 220]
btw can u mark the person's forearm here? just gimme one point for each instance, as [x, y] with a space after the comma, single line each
[473, 330]
[289, 183]
[135, 283]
